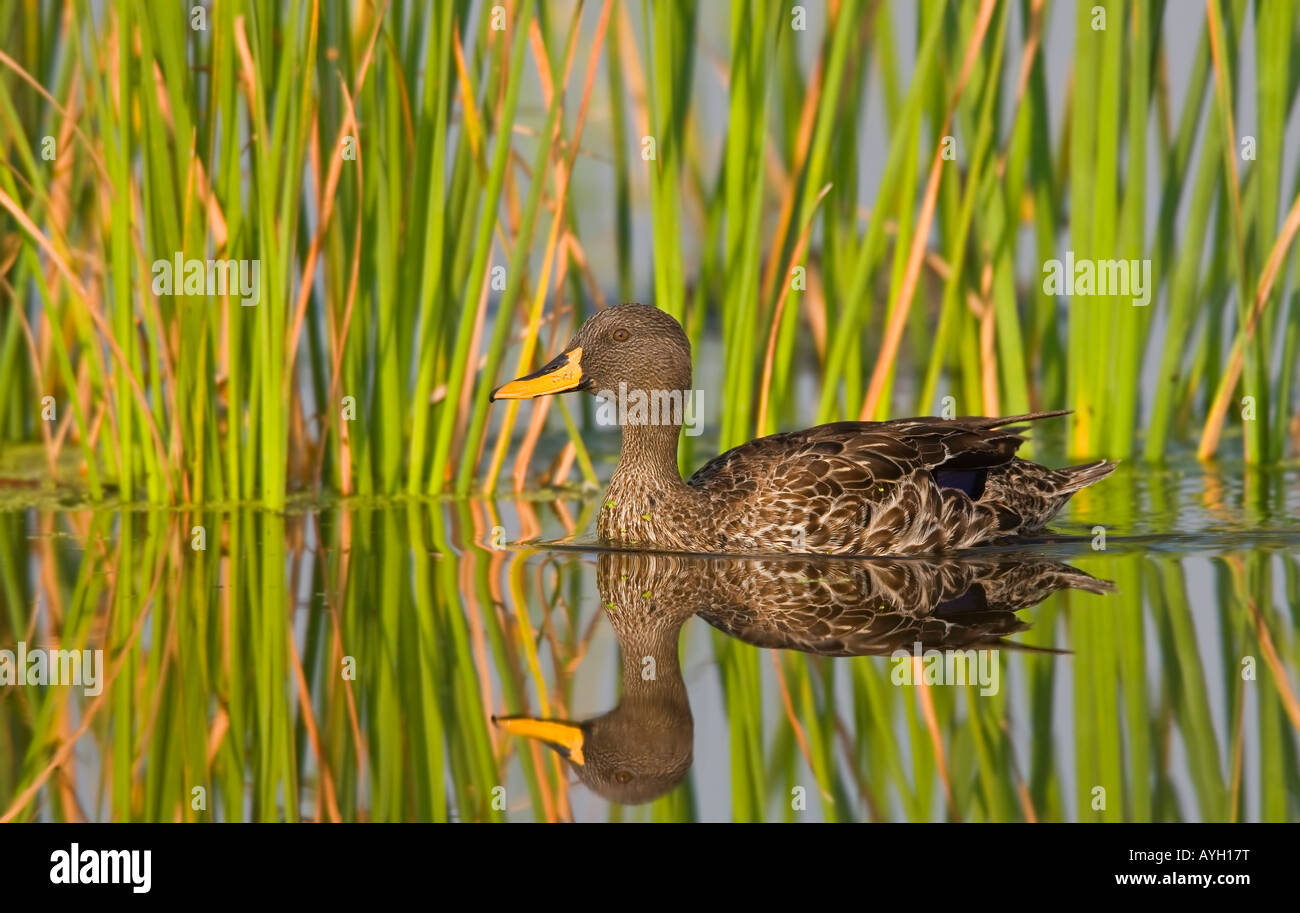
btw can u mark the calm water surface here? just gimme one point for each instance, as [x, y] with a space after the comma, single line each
[347, 663]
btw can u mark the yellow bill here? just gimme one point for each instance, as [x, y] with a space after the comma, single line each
[564, 372]
[566, 738]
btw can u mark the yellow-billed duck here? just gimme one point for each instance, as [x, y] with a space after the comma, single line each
[906, 486]
[828, 607]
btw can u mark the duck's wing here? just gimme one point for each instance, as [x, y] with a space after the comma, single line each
[911, 479]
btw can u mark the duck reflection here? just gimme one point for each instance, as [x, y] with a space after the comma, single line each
[831, 607]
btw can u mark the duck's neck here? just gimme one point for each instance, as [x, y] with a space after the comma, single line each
[652, 674]
[648, 459]
[646, 494]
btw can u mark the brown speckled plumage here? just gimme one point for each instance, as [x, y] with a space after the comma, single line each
[872, 608]
[908, 486]
[826, 606]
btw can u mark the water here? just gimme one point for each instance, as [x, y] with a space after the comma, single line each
[347, 662]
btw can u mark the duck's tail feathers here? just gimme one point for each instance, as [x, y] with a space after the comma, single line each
[1003, 421]
[1076, 579]
[1079, 477]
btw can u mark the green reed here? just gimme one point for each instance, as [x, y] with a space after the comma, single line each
[389, 172]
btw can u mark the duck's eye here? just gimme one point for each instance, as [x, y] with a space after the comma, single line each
[620, 335]
[623, 776]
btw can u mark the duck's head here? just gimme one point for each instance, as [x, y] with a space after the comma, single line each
[631, 755]
[643, 747]
[633, 344]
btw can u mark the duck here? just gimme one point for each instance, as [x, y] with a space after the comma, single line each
[906, 486]
[824, 606]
